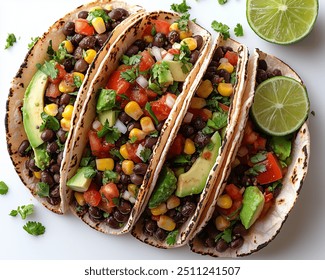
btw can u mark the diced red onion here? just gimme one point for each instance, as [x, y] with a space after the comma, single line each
[139, 150]
[121, 126]
[132, 199]
[142, 81]
[188, 117]
[170, 101]
[156, 53]
[126, 195]
[176, 46]
[223, 60]
[168, 57]
[97, 125]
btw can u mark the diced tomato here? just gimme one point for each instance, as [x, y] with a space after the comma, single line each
[232, 57]
[207, 155]
[159, 26]
[259, 144]
[117, 83]
[146, 61]
[83, 27]
[60, 75]
[199, 112]
[139, 95]
[92, 195]
[109, 192]
[99, 147]
[233, 211]
[249, 139]
[173, 51]
[52, 90]
[224, 107]
[151, 94]
[160, 108]
[177, 147]
[273, 170]
[132, 152]
[268, 196]
[234, 192]
[105, 206]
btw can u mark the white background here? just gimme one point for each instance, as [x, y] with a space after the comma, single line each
[302, 236]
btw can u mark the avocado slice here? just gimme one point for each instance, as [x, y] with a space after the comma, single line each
[177, 71]
[253, 203]
[193, 181]
[110, 116]
[79, 182]
[33, 107]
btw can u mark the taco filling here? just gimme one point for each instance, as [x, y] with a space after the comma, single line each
[253, 185]
[49, 99]
[131, 111]
[194, 150]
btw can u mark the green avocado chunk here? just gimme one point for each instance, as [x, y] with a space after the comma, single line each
[166, 185]
[253, 203]
[177, 70]
[42, 157]
[106, 100]
[194, 180]
[110, 116]
[80, 182]
[162, 74]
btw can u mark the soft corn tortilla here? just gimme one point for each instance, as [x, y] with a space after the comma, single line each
[264, 230]
[186, 230]
[15, 132]
[88, 114]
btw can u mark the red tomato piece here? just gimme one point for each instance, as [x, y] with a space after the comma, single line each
[151, 94]
[232, 57]
[157, 26]
[83, 27]
[132, 151]
[234, 192]
[177, 147]
[52, 90]
[139, 95]
[259, 144]
[60, 75]
[232, 212]
[92, 197]
[273, 170]
[99, 147]
[117, 83]
[146, 61]
[109, 192]
[160, 108]
[223, 107]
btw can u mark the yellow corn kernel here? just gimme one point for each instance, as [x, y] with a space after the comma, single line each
[225, 89]
[173, 202]
[90, 55]
[133, 189]
[198, 103]
[205, 89]
[174, 27]
[166, 223]
[95, 8]
[159, 210]
[80, 198]
[148, 38]
[147, 125]
[137, 134]
[185, 34]
[134, 110]
[99, 25]
[65, 87]
[67, 112]
[37, 174]
[65, 124]
[221, 223]
[51, 109]
[68, 46]
[190, 42]
[207, 112]
[127, 166]
[226, 66]
[189, 147]
[103, 164]
[79, 75]
[108, 7]
[224, 201]
[124, 152]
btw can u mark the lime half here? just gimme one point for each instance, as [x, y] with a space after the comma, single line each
[280, 105]
[282, 21]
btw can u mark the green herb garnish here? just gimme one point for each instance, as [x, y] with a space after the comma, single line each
[23, 211]
[3, 188]
[221, 28]
[34, 228]
[239, 31]
[33, 42]
[180, 8]
[49, 122]
[171, 237]
[11, 39]
[48, 68]
[43, 189]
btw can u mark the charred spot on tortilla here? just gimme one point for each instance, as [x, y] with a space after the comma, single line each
[294, 176]
[281, 201]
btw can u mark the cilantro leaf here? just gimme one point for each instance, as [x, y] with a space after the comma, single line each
[43, 189]
[11, 39]
[116, 153]
[23, 211]
[132, 60]
[239, 31]
[110, 176]
[33, 42]
[77, 81]
[49, 122]
[112, 134]
[218, 121]
[227, 235]
[259, 157]
[183, 21]
[171, 237]
[222, 2]
[145, 154]
[90, 172]
[180, 8]
[34, 228]
[98, 13]
[256, 169]
[182, 159]
[48, 68]
[3, 188]
[130, 75]
[221, 28]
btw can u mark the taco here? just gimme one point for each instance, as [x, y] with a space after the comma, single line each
[128, 115]
[46, 93]
[197, 151]
[260, 185]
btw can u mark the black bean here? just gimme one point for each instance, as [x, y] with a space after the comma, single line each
[188, 209]
[23, 147]
[83, 14]
[140, 44]
[124, 179]
[238, 242]
[277, 72]
[261, 76]
[124, 117]
[108, 26]
[150, 226]
[178, 217]
[47, 135]
[55, 191]
[159, 40]
[115, 23]
[60, 111]
[56, 178]
[160, 234]
[112, 223]
[194, 56]
[140, 168]
[198, 123]
[218, 54]
[187, 130]
[62, 135]
[101, 38]
[65, 99]
[216, 79]
[173, 37]
[223, 73]
[199, 41]
[32, 165]
[239, 230]
[132, 50]
[81, 66]
[262, 64]
[121, 218]
[47, 178]
[136, 179]
[150, 142]
[201, 139]
[52, 147]
[98, 179]
[76, 38]
[59, 158]
[209, 242]
[95, 213]
[214, 63]
[160, 125]
[124, 207]
[53, 200]
[55, 168]
[68, 28]
[118, 168]
[68, 64]
[221, 245]
[88, 42]
[116, 14]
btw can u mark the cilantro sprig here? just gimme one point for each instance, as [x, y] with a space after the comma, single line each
[171, 237]
[180, 8]
[3, 188]
[111, 134]
[221, 28]
[23, 211]
[11, 39]
[34, 228]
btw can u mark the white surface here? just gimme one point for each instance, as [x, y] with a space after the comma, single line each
[68, 238]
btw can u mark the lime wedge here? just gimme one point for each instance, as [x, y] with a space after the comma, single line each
[282, 21]
[280, 105]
